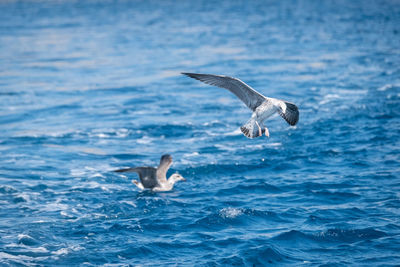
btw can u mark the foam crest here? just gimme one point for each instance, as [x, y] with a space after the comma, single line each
[230, 213]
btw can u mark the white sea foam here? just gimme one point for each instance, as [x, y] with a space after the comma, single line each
[89, 150]
[128, 202]
[77, 172]
[64, 251]
[65, 214]
[61, 251]
[230, 212]
[98, 216]
[237, 131]
[91, 171]
[329, 98]
[39, 221]
[193, 154]
[38, 249]
[26, 247]
[388, 86]
[22, 259]
[145, 140]
[211, 123]
[122, 133]
[274, 144]
[21, 236]
[36, 133]
[55, 207]
[96, 175]
[225, 50]
[25, 196]
[225, 147]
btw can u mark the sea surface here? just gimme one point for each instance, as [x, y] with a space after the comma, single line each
[87, 87]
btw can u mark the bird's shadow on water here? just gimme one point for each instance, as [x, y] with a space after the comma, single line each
[145, 193]
[149, 193]
[157, 202]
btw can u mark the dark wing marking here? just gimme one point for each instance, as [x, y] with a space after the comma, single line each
[292, 113]
[248, 95]
[251, 130]
[147, 175]
[165, 163]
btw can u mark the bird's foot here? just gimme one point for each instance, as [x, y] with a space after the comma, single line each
[266, 132]
[138, 184]
[259, 129]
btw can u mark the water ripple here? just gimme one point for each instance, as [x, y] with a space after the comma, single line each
[90, 87]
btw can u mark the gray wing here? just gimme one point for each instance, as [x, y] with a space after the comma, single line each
[165, 163]
[248, 95]
[147, 175]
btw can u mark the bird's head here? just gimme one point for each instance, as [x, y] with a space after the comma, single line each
[176, 177]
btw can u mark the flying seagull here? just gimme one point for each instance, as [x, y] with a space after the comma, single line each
[155, 178]
[262, 107]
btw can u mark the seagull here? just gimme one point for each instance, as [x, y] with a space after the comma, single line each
[262, 107]
[155, 178]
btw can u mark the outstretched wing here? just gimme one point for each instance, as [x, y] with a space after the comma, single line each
[165, 163]
[147, 175]
[291, 114]
[248, 95]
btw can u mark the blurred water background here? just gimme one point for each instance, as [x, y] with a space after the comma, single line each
[90, 86]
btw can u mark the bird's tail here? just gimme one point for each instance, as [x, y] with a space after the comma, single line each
[251, 130]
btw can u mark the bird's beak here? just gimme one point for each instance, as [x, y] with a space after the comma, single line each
[184, 179]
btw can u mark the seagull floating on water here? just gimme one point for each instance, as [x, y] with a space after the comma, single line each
[155, 178]
[262, 107]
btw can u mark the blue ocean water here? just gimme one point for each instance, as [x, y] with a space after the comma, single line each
[89, 87]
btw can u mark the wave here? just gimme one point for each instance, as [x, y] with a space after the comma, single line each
[265, 255]
[260, 187]
[335, 235]
[229, 216]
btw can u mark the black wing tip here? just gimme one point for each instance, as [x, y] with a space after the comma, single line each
[292, 121]
[190, 74]
[296, 120]
[122, 170]
[166, 156]
[292, 113]
[198, 76]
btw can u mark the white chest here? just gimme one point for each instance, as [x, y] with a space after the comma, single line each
[265, 110]
[163, 187]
